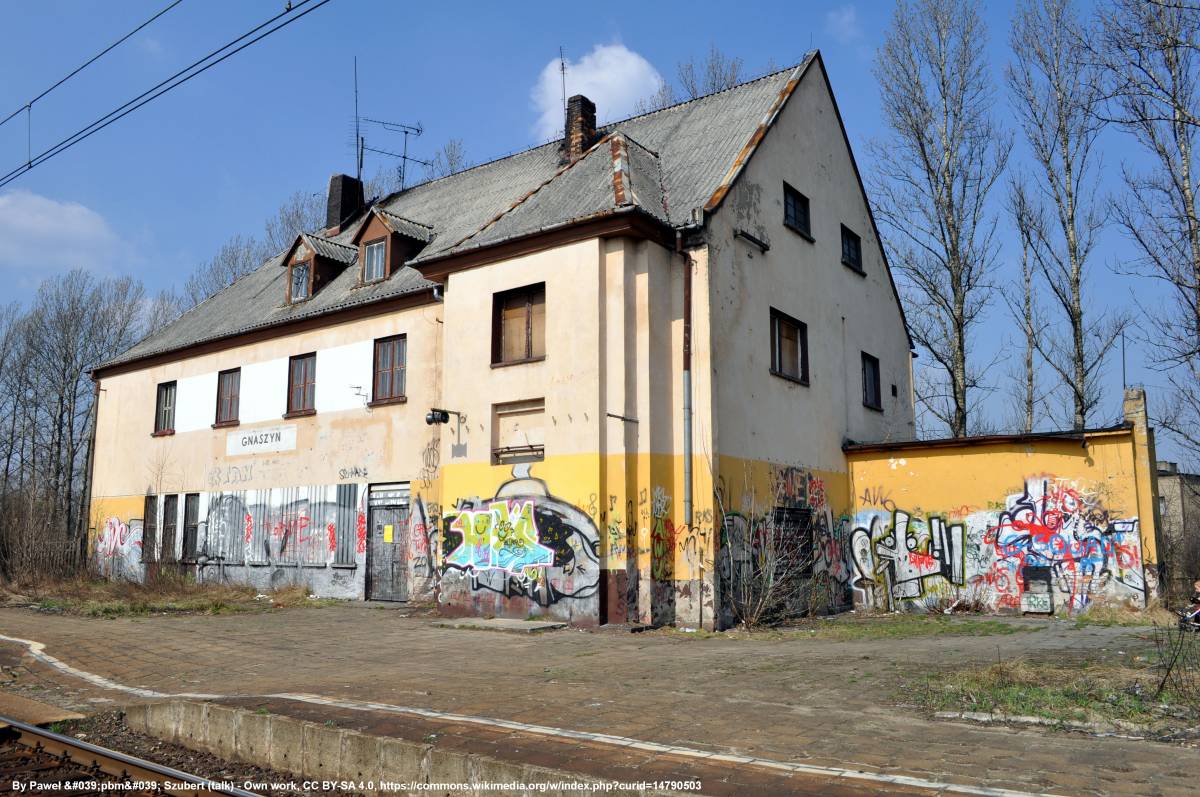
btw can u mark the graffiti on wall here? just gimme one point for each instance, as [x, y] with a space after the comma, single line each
[1053, 546]
[522, 542]
[118, 549]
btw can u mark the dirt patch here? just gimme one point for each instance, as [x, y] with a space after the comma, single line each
[852, 627]
[109, 730]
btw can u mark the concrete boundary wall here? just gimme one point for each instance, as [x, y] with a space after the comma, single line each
[311, 751]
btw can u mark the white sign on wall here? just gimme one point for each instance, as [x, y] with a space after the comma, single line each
[261, 441]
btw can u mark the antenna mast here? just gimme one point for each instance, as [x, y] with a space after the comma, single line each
[407, 130]
[358, 141]
[562, 68]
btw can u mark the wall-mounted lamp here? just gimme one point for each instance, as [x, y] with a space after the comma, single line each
[436, 416]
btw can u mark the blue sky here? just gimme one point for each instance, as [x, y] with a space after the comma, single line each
[159, 191]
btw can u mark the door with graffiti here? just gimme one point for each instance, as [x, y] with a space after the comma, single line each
[387, 542]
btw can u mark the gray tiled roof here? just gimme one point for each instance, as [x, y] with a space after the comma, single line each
[671, 161]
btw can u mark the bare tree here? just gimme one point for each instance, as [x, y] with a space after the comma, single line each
[663, 97]
[237, 257]
[449, 159]
[301, 212]
[1056, 91]
[164, 308]
[934, 172]
[1148, 52]
[716, 73]
[1022, 305]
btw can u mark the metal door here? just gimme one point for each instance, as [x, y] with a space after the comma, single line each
[387, 538]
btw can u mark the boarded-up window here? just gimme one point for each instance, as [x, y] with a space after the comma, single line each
[150, 529]
[191, 525]
[346, 536]
[169, 525]
[390, 356]
[227, 523]
[229, 387]
[519, 324]
[789, 347]
[519, 431]
[302, 384]
[872, 396]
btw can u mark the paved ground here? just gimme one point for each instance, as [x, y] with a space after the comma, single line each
[809, 702]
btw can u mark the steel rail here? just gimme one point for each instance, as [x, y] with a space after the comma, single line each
[115, 763]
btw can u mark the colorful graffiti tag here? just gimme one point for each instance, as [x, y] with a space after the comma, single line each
[502, 537]
[1053, 546]
[118, 549]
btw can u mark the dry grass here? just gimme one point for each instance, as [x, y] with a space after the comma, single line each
[169, 594]
[853, 627]
[1122, 614]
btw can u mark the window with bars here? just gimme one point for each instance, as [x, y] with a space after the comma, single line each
[519, 325]
[789, 347]
[229, 384]
[191, 526]
[150, 528]
[302, 384]
[795, 211]
[170, 524]
[164, 409]
[851, 249]
[390, 362]
[872, 396]
[374, 264]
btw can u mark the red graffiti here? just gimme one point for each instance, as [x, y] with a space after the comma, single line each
[332, 537]
[362, 532]
[249, 526]
[924, 560]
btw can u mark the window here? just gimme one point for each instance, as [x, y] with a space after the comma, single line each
[150, 528]
[302, 385]
[390, 354]
[851, 249]
[229, 385]
[793, 543]
[795, 211]
[301, 281]
[169, 524]
[191, 525]
[519, 432]
[519, 325]
[164, 409]
[373, 263]
[870, 371]
[789, 347]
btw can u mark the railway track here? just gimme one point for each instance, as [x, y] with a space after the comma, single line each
[36, 761]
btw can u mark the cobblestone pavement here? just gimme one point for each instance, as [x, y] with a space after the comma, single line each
[811, 702]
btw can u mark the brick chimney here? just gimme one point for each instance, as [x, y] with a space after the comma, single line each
[581, 127]
[345, 199]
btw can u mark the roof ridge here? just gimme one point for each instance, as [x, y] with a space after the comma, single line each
[323, 239]
[523, 199]
[404, 218]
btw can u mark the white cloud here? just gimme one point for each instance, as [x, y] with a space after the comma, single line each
[39, 236]
[611, 75]
[842, 24]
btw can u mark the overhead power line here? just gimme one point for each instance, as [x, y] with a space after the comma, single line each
[194, 69]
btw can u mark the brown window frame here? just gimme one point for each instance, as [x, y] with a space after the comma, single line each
[161, 427]
[875, 401]
[498, 300]
[228, 403]
[853, 263]
[793, 198]
[170, 527]
[366, 246]
[777, 317]
[310, 264]
[391, 397]
[305, 409]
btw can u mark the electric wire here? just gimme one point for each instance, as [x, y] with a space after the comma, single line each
[156, 91]
[89, 62]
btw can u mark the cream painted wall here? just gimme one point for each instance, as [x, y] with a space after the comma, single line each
[386, 442]
[762, 416]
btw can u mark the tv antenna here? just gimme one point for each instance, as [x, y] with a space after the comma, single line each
[403, 156]
[562, 68]
[358, 141]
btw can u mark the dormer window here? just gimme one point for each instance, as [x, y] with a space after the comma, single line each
[301, 281]
[374, 261]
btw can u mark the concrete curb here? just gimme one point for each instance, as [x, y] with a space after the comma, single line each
[316, 752]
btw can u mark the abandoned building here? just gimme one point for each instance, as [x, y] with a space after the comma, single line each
[560, 383]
